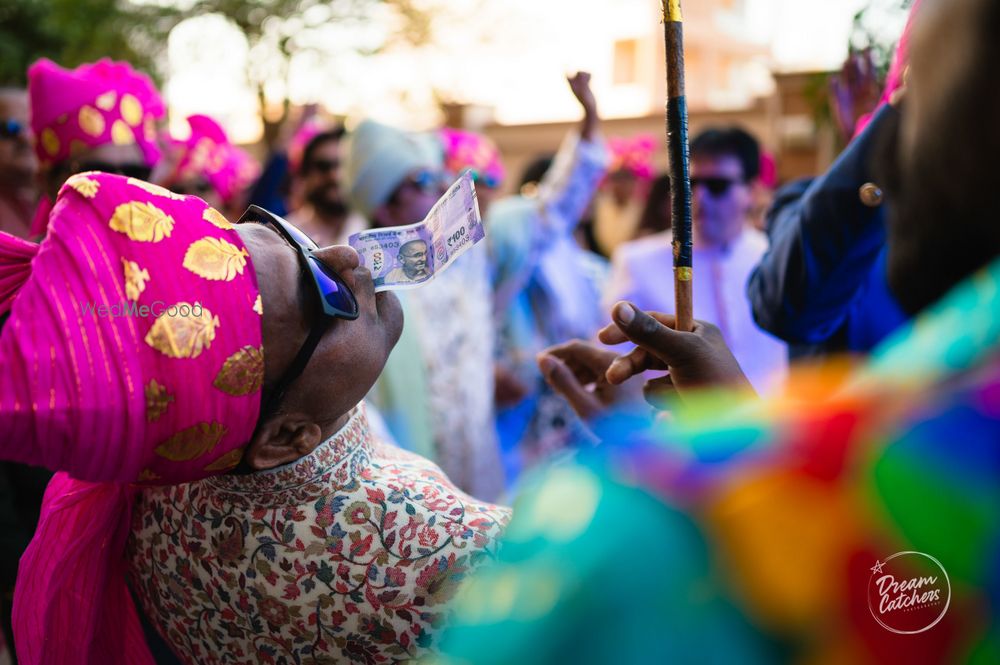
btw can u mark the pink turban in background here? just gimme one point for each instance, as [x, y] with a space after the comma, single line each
[468, 150]
[207, 153]
[132, 356]
[96, 104]
[634, 155]
[297, 146]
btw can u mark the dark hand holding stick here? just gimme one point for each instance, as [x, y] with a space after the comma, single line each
[696, 360]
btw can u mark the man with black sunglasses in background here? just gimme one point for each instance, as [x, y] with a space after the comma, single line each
[18, 165]
[324, 213]
[725, 162]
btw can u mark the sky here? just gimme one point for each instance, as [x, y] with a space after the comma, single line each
[508, 57]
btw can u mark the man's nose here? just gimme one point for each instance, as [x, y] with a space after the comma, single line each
[342, 258]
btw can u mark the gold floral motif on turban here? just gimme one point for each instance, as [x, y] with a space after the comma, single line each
[213, 216]
[131, 110]
[121, 134]
[227, 461]
[135, 279]
[157, 400]
[86, 187]
[50, 141]
[242, 373]
[155, 189]
[215, 259]
[142, 222]
[106, 102]
[91, 121]
[192, 443]
[183, 330]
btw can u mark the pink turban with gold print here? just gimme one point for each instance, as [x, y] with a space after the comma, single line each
[132, 355]
[96, 104]
[207, 153]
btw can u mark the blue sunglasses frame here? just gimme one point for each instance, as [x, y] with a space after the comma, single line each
[336, 299]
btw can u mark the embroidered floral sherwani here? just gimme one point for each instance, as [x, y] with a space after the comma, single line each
[350, 554]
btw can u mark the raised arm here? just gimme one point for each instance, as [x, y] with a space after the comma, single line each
[578, 167]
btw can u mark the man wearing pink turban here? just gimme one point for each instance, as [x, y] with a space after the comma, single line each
[208, 165]
[150, 343]
[100, 116]
[618, 205]
[469, 150]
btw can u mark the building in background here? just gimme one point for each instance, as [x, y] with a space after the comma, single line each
[730, 79]
[498, 67]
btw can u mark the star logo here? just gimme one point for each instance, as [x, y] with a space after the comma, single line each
[877, 568]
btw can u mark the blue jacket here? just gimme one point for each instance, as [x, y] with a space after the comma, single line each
[822, 282]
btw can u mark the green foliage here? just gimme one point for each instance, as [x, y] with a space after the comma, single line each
[867, 32]
[72, 32]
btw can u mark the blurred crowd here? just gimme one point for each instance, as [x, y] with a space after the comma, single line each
[286, 478]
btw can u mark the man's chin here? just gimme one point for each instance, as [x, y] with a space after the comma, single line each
[330, 208]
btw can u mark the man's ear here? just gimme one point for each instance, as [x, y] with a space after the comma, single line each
[283, 439]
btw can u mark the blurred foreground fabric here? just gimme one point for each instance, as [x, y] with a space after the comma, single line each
[753, 532]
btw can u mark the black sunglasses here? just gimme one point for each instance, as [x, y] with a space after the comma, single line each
[11, 129]
[324, 165]
[336, 299]
[135, 170]
[715, 186]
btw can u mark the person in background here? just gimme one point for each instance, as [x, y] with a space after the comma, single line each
[18, 164]
[657, 213]
[854, 520]
[212, 168]
[724, 167]
[618, 205]
[273, 189]
[546, 289]
[317, 157]
[821, 286]
[469, 150]
[436, 392]
[763, 191]
[100, 116]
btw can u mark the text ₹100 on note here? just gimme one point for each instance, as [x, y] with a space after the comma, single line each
[405, 257]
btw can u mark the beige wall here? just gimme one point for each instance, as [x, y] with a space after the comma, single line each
[803, 156]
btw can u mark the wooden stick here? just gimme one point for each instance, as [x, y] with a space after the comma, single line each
[680, 176]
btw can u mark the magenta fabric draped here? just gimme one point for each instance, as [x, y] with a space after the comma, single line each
[115, 397]
[15, 267]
